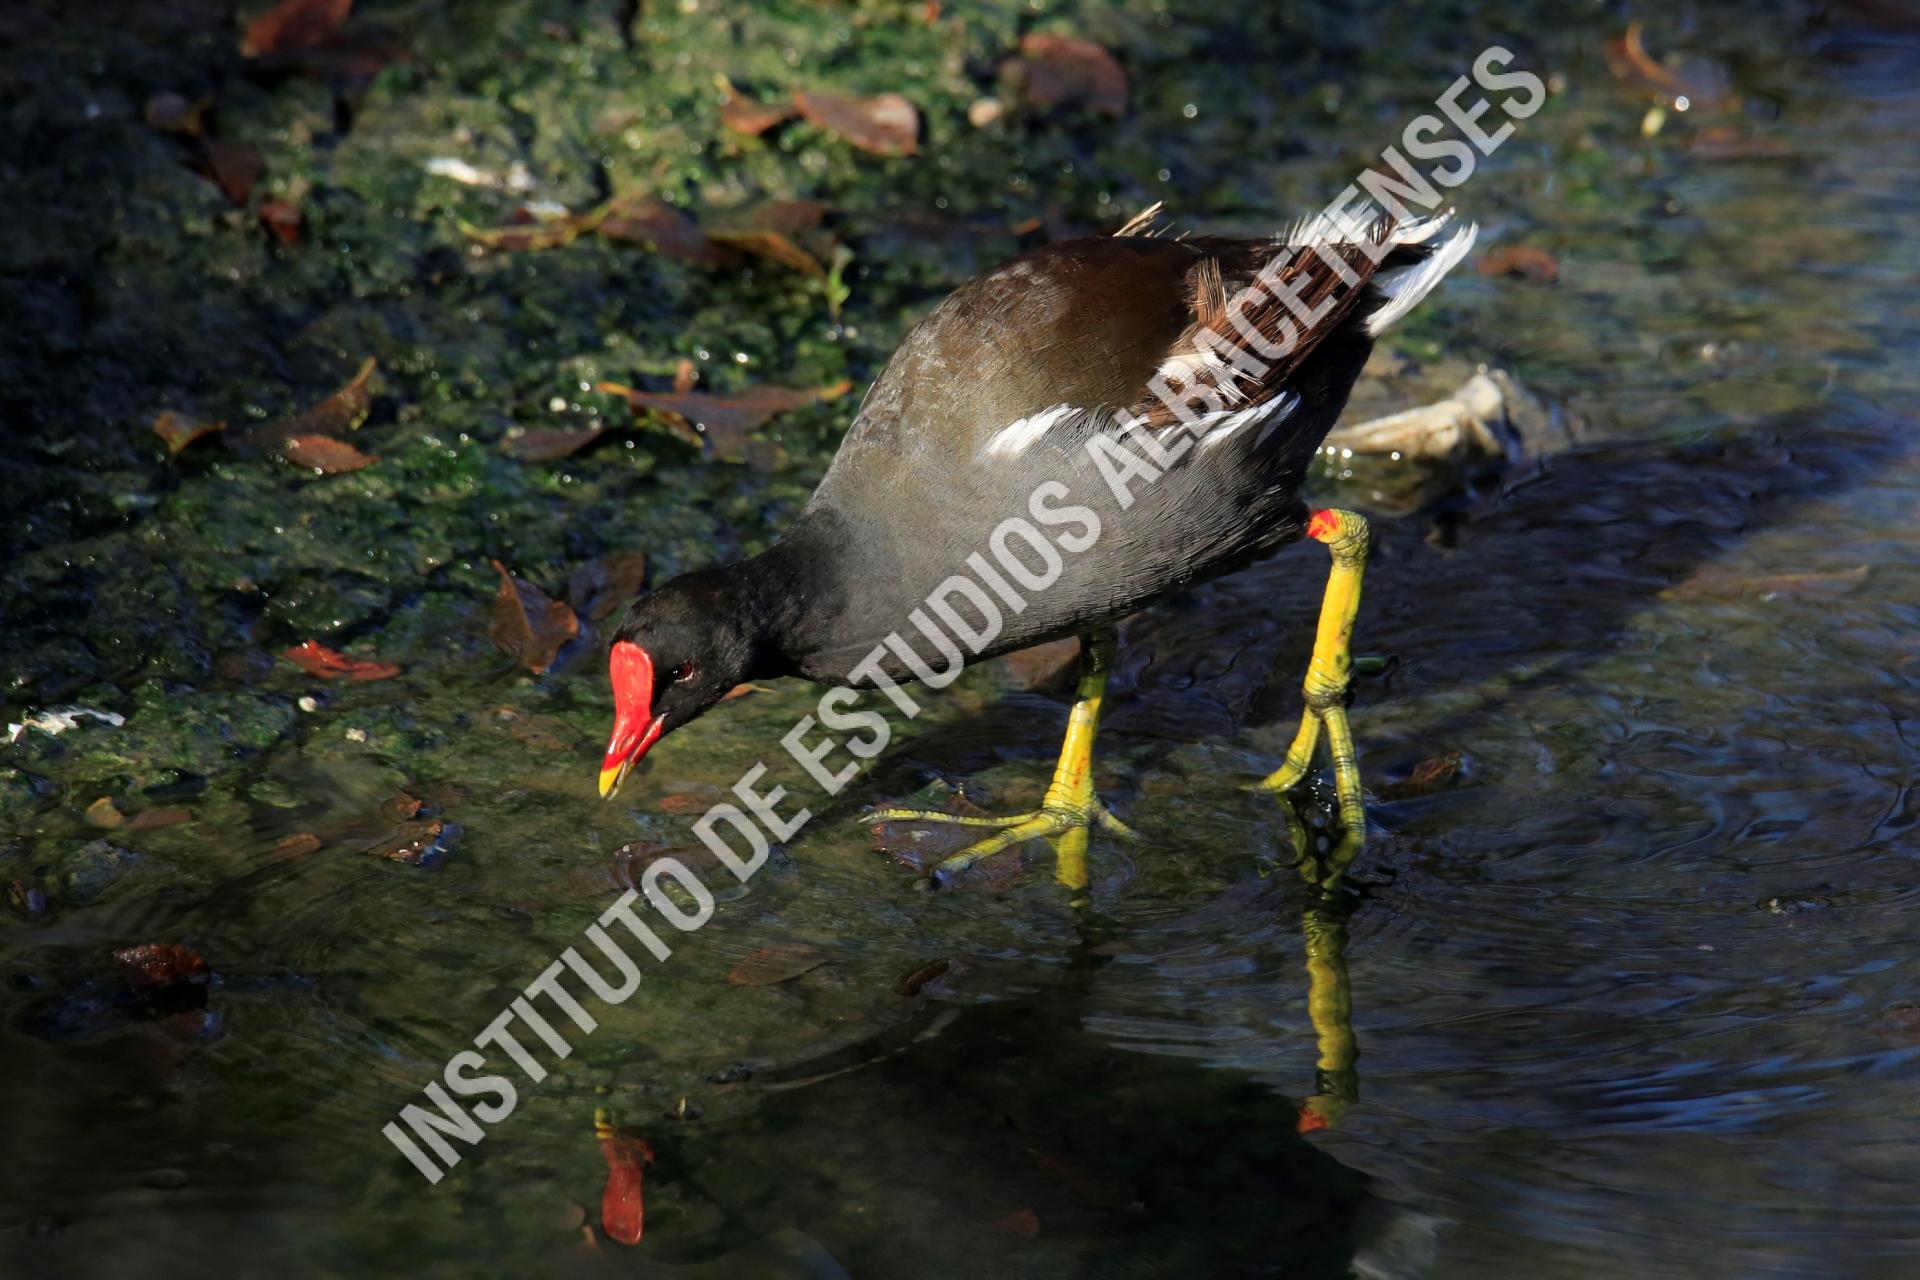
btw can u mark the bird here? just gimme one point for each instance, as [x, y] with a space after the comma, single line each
[1090, 427]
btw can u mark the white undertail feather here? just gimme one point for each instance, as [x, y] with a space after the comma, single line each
[1016, 438]
[1404, 287]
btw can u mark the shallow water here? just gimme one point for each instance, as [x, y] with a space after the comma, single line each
[1636, 993]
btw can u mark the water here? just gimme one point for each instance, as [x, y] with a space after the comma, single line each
[1635, 993]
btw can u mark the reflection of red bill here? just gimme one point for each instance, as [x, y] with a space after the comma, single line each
[635, 728]
[622, 1213]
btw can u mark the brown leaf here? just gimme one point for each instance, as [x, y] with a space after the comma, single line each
[330, 664]
[172, 113]
[178, 432]
[282, 218]
[1045, 666]
[601, 586]
[528, 623]
[744, 115]
[104, 813]
[161, 964]
[652, 223]
[772, 246]
[742, 690]
[340, 412]
[153, 819]
[1631, 64]
[886, 125]
[911, 985]
[232, 166]
[769, 965]
[540, 233]
[418, 844]
[1067, 71]
[292, 25]
[541, 445]
[298, 845]
[724, 422]
[1427, 777]
[1520, 260]
[325, 454]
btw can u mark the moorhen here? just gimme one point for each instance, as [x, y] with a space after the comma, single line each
[1084, 430]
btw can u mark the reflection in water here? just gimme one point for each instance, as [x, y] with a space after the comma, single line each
[1329, 993]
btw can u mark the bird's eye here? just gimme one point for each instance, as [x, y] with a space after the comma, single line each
[683, 672]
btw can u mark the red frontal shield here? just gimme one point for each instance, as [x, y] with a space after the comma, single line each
[635, 727]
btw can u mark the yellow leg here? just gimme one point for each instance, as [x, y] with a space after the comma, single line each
[1346, 536]
[1069, 808]
[1329, 993]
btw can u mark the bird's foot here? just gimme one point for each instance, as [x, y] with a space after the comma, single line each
[1063, 825]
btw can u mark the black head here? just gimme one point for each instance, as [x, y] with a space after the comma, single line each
[678, 651]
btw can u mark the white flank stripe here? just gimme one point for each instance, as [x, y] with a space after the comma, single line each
[1019, 437]
[1406, 286]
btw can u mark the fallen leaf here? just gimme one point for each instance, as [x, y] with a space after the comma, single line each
[1711, 583]
[543, 445]
[162, 964]
[886, 125]
[1628, 60]
[325, 454]
[1067, 71]
[342, 411]
[742, 690]
[153, 819]
[330, 664]
[1427, 777]
[723, 422]
[538, 233]
[744, 115]
[418, 844]
[1520, 260]
[232, 166]
[172, 113]
[769, 965]
[282, 218]
[298, 845]
[104, 813]
[607, 583]
[293, 25]
[528, 623]
[652, 223]
[178, 432]
[772, 246]
[911, 985]
[1722, 142]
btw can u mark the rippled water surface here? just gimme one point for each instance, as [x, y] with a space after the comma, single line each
[1636, 993]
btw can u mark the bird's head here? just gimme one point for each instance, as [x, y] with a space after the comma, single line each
[674, 655]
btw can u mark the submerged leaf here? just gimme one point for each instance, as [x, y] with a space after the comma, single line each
[342, 411]
[1427, 777]
[330, 664]
[543, 445]
[325, 454]
[232, 166]
[537, 233]
[886, 125]
[528, 623]
[652, 223]
[1520, 260]
[1631, 64]
[744, 115]
[292, 25]
[1067, 71]
[769, 965]
[608, 583]
[725, 422]
[178, 432]
[161, 964]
